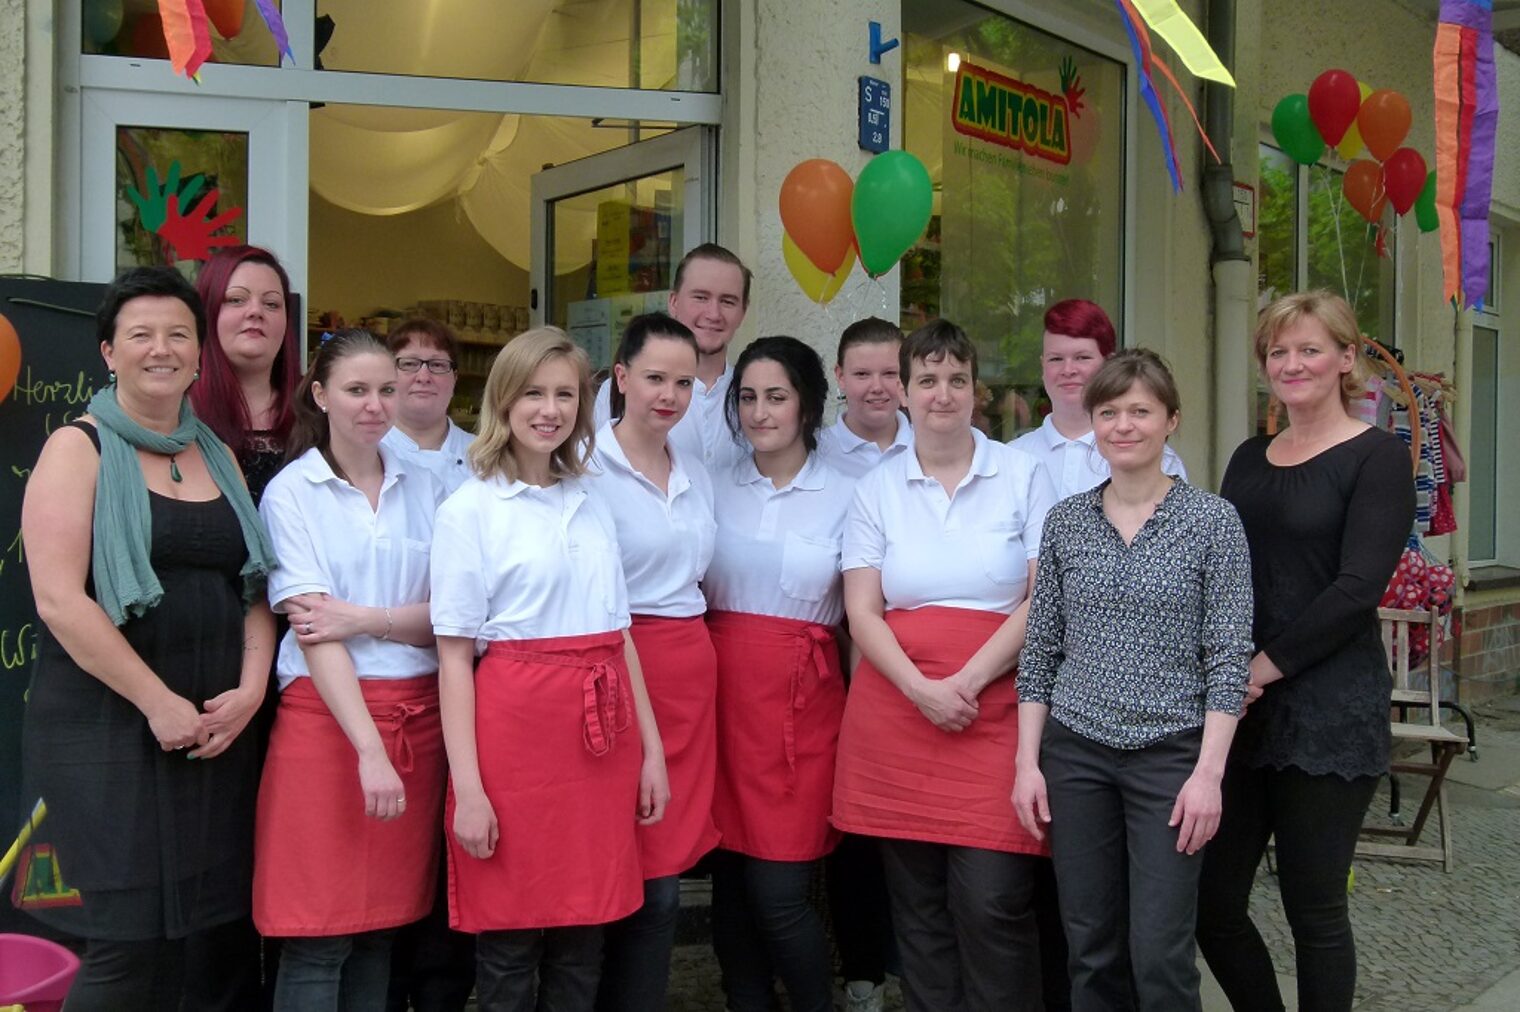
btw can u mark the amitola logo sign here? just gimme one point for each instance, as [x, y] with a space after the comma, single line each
[1001, 110]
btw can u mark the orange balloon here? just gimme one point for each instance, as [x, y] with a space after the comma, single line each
[1364, 189]
[1383, 121]
[10, 357]
[226, 17]
[815, 212]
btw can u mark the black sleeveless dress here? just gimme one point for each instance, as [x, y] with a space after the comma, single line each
[139, 843]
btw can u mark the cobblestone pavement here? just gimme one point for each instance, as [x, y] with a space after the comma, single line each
[1427, 941]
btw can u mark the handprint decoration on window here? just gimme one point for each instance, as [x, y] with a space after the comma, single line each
[180, 194]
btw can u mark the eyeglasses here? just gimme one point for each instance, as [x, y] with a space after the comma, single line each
[436, 366]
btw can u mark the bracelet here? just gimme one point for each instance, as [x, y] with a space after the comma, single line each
[387, 634]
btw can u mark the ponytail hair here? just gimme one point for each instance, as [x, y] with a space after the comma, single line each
[309, 428]
[637, 334]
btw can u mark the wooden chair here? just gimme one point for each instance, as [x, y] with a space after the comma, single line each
[1444, 743]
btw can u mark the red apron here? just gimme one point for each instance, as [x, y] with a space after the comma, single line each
[780, 700]
[900, 777]
[321, 866]
[681, 674]
[559, 757]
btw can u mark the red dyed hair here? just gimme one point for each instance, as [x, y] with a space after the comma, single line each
[1081, 318]
[217, 396]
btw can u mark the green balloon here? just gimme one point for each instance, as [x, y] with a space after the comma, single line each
[1295, 130]
[1425, 206]
[890, 209]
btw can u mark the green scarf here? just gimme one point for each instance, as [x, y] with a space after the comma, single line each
[125, 584]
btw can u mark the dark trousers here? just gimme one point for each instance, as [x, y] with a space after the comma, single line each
[225, 972]
[129, 977]
[636, 951]
[432, 966]
[764, 927]
[965, 925]
[538, 970]
[1055, 980]
[334, 973]
[858, 906]
[1128, 898]
[1315, 820]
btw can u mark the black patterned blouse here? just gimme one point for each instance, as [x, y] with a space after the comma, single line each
[1128, 644]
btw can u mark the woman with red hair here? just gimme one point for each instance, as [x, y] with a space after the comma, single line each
[251, 366]
[1079, 337]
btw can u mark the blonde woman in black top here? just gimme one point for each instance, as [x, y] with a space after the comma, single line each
[1327, 505]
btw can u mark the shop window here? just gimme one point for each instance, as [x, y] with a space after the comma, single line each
[1322, 243]
[657, 45]
[1022, 133]
[1483, 454]
[122, 28]
[179, 194]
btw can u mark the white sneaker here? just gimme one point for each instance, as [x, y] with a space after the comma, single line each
[864, 996]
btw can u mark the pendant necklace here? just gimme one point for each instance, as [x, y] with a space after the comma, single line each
[174, 469]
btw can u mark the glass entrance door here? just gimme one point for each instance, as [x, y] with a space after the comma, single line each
[608, 231]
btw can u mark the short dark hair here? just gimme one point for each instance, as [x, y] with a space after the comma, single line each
[425, 331]
[1082, 318]
[140, 282]
[933, 341]
[1126, 368]
[871, 330]
[712, 251]
[804, 370]
[637, 334]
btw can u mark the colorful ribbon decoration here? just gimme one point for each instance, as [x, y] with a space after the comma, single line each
[1145, 61]
[271, 15]
[1168, 20]
[1467, 115]
[187, 31]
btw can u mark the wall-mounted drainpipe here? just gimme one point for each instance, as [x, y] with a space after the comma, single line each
[1234, 287]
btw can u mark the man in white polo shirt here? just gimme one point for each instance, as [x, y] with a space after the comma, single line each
[710, 294]
[1078, 337]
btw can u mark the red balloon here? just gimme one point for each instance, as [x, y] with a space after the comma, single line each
[1334, 99]
[815, 211]
[1404, 176]
[226, 17]
[1384, 122]
[1364, 189]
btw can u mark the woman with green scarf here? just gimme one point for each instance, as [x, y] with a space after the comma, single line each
[148, 563]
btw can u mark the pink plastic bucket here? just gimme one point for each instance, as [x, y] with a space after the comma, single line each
[35, 972]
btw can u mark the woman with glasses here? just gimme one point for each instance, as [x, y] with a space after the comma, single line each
[427, 353]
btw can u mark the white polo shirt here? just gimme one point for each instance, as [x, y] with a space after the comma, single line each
[512, 561]
[777, 551]
[329, 541]
[449, 463]
[969, 551]
[852, 456]
[703, 432]
[666, 538]
[1075, 465]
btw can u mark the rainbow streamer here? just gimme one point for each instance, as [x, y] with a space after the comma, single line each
[1146, 61]
[1467, 117]
[276, 24]
[1168, 20]
[187, 31]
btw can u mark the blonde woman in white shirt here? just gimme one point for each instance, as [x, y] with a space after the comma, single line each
[554, 756]
[773, 594]
[661, 499]
[346, 843]
[939, 555]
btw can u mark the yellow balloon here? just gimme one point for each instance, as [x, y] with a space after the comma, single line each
[817, 285]
[1351, 145]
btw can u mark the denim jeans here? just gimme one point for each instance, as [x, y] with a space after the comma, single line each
[128, 976]
[337, 973]
[538, 970]
[636, 951]
[765, 927]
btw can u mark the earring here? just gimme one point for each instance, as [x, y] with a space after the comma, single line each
[112, 377]
[196, 376]
[322, 408]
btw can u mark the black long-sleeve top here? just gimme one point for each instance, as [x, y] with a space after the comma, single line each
[1325, 537]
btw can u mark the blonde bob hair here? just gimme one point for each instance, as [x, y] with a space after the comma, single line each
[1331, 312]
[491, 453]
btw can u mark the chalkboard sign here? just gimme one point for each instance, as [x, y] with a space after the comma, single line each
[60, 369]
